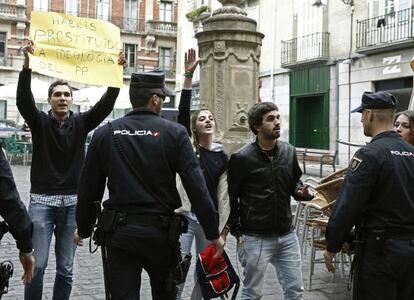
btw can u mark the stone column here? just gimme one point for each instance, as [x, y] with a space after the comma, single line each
[229, 50]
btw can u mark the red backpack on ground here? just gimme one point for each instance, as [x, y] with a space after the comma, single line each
[216, 276]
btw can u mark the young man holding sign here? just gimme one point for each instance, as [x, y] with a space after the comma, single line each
[58, 152]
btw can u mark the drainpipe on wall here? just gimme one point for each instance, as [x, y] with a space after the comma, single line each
[273, 51]
[337, 107]
[349, 111]
[349, 82]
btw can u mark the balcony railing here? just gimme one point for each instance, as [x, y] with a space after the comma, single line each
[169, 74]
[12, 12]
[391, 31]
[135, 25]
[305, 49]
[160, 27]
[136, 69]
[130, 24]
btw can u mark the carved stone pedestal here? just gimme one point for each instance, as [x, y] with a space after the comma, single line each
[229, 50]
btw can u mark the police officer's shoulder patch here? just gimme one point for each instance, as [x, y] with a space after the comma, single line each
[355, 163]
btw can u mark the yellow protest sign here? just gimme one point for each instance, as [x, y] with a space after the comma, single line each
[77, 49]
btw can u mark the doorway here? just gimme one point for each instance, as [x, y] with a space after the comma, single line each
[311, 132]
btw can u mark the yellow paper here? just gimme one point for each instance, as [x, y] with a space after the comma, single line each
[77, 49]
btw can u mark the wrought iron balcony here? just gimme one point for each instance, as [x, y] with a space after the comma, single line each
[386, 32]
[13, 12]
[136, 69]
[146, 26]
[129, 24]
[162, 28]
[306, 49]
[132, 24]
[169, 74]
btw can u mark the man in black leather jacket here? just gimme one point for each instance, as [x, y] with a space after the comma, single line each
[262, 176]
[14, 213]
[377, 196]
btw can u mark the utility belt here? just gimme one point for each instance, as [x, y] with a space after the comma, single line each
[375, 241]
[382, 242]
[387, 234]
[174, 224]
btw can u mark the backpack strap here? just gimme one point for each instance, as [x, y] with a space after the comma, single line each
[236, 290]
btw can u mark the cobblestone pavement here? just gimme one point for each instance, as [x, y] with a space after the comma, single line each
[88, 280]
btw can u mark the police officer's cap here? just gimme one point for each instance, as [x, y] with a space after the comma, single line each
[151, 80]
[378, 100]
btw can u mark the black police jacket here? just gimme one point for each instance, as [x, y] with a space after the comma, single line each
[157, 149]
[12, 208]
[378, 191]
[260, 188]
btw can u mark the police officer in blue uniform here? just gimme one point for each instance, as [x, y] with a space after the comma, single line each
[377, 196]
[139, 156]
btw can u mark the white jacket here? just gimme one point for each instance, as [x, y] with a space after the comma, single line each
[222, 199]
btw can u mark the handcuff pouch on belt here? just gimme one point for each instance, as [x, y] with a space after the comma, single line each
[179, 225]
[106, 222]
[110, 220]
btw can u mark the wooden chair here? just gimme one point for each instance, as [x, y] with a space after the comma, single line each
[317, 207]
[326, 193]
[311, 210]
[329, 190]
[318, 243]
[338, 174]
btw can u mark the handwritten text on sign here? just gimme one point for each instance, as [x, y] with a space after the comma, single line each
[77, 49]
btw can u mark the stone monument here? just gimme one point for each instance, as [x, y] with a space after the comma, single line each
[229, 50]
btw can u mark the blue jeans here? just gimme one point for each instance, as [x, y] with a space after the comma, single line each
[195, 231]
[46, 221]
[255, 253]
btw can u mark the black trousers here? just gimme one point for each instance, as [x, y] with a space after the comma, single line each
[132, 248]
[385, 270]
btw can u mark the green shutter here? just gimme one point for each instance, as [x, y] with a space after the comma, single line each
[309, 107]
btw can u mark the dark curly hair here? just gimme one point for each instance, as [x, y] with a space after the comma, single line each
[256, 113]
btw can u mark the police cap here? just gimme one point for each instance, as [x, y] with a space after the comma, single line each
[378, 100]
[151, 80]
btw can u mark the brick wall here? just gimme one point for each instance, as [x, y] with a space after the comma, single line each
[118, 10]
[156, 9]
[57, 5]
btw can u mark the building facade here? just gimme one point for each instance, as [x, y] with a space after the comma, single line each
[317, 59]
[148, 33]
[319, 56]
